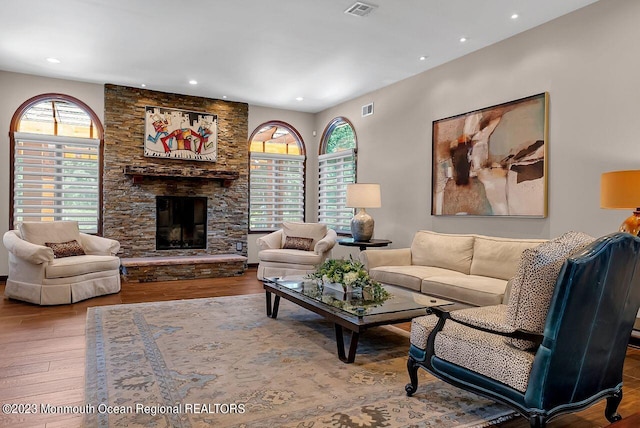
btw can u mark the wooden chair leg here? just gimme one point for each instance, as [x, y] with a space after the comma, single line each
[412, 368]
[611, 411]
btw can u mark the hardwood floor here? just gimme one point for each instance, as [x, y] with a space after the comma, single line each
[42, 352]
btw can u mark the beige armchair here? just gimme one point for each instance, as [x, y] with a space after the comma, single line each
[52, 263]
[296, 249]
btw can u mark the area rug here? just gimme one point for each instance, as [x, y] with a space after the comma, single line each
[222, 362]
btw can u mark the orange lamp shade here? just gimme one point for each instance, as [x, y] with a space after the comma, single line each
[620, 190]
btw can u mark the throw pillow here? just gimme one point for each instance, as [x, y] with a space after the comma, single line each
[298, 243]
[534, 283]
[65, 249]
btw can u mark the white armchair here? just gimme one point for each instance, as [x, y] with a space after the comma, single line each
[296, 249]
[43, 267]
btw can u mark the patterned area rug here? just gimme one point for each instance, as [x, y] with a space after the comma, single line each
[222, 362]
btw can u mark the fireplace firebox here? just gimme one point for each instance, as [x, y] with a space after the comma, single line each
[181, 222]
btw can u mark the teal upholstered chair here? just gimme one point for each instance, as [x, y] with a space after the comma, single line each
[576, 359]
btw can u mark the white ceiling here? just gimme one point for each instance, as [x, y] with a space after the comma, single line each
[262, 52]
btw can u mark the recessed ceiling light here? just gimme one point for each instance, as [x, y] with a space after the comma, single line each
[224, 97]
[299, 99]
[143, 85]
[514, 16]
[463, 39]
[193, 82]
[53, 60]
[423, 57]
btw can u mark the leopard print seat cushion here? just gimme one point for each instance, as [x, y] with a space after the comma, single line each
[533, 285]
[481, 352]
[484, 353]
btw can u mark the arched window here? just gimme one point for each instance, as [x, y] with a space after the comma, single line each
[56, 162]
[276, 176]
[337, 168]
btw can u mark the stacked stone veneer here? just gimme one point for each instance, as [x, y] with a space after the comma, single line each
[129, 210]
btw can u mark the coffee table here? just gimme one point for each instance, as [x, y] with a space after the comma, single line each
[347, 310]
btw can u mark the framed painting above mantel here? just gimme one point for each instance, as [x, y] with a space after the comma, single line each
[180, 134]
[492, 161]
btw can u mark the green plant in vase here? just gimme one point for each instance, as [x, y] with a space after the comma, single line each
[352, 275]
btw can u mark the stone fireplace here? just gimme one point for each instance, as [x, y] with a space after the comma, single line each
[133, 183]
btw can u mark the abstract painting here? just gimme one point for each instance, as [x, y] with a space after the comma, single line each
[180, 134]
[492, 161]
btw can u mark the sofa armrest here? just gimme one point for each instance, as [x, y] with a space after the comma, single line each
[32, 253]
[327, 243]
[393, 257]
[271, 241]
[97, 245]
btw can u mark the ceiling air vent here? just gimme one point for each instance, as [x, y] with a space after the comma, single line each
[367, 110]
[360, 9]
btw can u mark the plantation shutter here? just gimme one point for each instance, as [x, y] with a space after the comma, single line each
[336, 171]
[56, 178]
[276, 189]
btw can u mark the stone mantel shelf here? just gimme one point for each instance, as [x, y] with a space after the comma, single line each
[139, 172]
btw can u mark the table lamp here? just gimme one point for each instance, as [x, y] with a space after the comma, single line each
[621, 190]
[361, 196]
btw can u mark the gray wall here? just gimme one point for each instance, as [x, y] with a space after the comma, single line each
[586, 61]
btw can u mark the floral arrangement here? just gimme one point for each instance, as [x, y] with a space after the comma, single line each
[351, 274]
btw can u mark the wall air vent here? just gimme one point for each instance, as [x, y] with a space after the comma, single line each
[360, 9]
[367, 110]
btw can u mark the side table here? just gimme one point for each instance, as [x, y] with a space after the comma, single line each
[363, 245]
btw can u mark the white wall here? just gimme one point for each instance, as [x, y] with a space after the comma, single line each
[16, 89]
[585, 60]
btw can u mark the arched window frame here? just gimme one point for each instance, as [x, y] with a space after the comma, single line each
[13, 130]
[332, 188]
[282, 164]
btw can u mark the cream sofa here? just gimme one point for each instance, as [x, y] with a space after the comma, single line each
[38, 276]
[473, 269]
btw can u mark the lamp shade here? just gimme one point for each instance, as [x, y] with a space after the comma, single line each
[363, 195]
[620, 190]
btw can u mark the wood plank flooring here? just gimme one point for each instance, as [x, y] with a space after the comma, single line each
[42, 352]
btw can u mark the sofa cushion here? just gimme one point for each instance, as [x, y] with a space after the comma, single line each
[38, 232]
[65, 249]
[441, 250]
[409, 276]
[499, 257]
[472, 289]
[80, 265]
[484, 353]
[290, 256]
[535, 280]
[317, 231]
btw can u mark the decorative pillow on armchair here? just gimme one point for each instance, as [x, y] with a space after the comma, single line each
[533, 285]
[298, 243]
[65, 249]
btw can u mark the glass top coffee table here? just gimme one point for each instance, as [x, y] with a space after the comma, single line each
[348, 310]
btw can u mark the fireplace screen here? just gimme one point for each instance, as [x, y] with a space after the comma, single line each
[181, 222]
